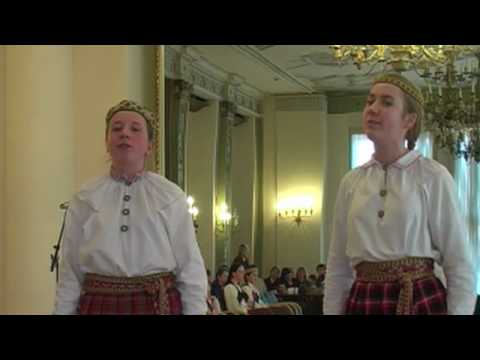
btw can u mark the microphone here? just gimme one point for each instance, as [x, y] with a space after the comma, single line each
[64, 205]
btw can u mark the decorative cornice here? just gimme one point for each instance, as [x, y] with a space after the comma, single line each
[253, 53]
[210, 83]
[301, 103]
[347, 103]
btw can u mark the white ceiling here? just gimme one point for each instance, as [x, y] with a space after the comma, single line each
[286, 69]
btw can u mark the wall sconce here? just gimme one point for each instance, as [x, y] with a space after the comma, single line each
[296, 208]
[225, 218]
[193, 210]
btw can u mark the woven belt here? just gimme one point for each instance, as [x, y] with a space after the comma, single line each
[404, 271]
[155, 285]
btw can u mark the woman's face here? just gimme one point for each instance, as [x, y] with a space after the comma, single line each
[275, 273]
[239, 274]
[301, 275]
[127, 139]
[222, 279]
[383, 116]
[252, 277]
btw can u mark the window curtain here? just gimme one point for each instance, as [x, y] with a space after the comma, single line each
[467, 179]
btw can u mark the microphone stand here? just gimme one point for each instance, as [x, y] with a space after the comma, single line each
[54, 257]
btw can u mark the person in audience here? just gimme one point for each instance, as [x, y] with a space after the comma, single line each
[395, 216]
[320, 281]
[273, 280]
[260, 284]
[242, 257]
[250, 288]
[236, 299]
[287, 285]
[213, 304]
[129, 243]
[313, 280]
[218, 284]
[301, 280]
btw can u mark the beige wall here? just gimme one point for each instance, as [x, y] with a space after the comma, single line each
[102, 76]
[53, 100]
[295, 163]
[243, 178]
[201, 161]
[2, 169]
[141, 74]
[39, 170]
[301, 159]
[340, 127]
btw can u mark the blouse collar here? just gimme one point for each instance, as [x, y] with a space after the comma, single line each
[119, 176]
[402, 163]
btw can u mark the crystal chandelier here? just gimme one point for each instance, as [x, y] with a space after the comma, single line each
[399, 57]
[452, 108]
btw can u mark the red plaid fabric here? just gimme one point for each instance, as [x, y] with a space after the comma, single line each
[147, 295]
[375, 298]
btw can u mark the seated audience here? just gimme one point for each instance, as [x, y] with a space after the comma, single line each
[213, 304]
[218, 284]
[301, 281]
[249, 286]
[273, 280]
[236, 300]
[287, 286]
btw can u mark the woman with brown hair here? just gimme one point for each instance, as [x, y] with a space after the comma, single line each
[396, 216]
[129, 244]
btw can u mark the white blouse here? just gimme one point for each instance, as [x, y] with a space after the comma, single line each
[116, 229]
[250, 290]
[408, 209]
[234, 306]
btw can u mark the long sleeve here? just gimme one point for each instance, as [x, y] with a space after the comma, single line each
[231, 300]
[70, 277]
[339, 276]
[447, 229]
[191, 274]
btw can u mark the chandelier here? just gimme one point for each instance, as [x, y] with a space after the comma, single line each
[398, 57]
[452, 103]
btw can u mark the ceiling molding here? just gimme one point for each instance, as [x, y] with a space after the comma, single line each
[301, 103]
[210, 84]
[254, 54]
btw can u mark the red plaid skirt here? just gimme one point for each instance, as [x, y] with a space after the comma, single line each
[429, 298]
[144, 295]
[381, 298]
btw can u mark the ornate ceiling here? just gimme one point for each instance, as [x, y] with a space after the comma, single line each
[289, 69]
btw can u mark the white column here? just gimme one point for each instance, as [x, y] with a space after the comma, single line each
[39, 170]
